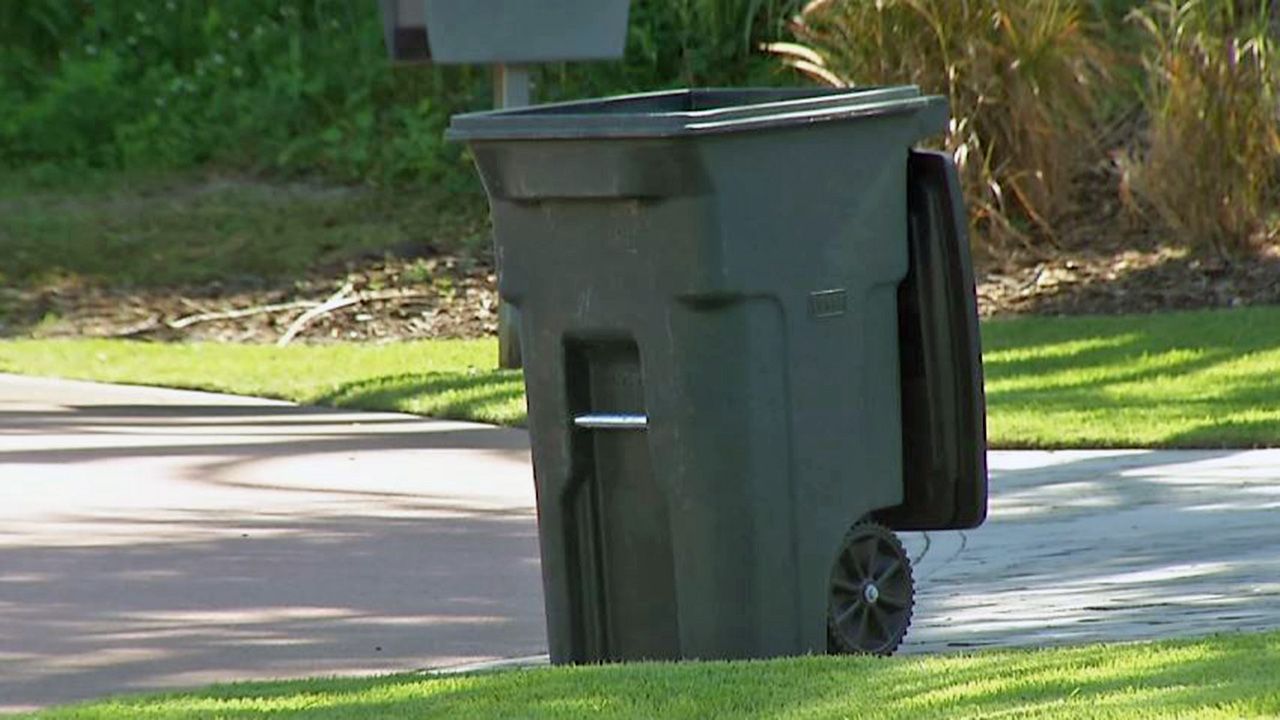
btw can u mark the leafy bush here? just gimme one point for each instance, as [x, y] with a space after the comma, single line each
[303, 85]
[299, 86]
[1022, 76]
[718, 38]
[1210, 166]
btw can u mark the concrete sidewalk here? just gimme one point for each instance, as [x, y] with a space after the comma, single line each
[155, 538]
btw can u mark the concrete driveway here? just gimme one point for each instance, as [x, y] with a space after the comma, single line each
[155, 538]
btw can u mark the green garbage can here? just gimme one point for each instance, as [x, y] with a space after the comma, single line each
[715, 286]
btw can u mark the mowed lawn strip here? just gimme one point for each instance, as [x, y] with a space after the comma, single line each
[1207, 379]
[1196, 379]
[1219, 677]
[455, 379]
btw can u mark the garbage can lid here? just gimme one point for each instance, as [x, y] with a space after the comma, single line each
[692, 112]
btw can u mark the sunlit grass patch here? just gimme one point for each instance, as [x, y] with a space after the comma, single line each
[1199, 379]
[456, 379]
[1196, 379]
[1229, 676]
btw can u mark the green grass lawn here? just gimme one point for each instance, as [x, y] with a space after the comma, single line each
[1233, 676]
[1196, 379]
[1200, 379]
[447, 378]
[172, 229]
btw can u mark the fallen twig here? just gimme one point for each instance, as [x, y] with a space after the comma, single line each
[340, 300]
[190, 320]
[337, 300]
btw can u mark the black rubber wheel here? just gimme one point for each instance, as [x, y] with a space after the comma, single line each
[872, 593]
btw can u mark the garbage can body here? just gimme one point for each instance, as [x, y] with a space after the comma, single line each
[708, 282]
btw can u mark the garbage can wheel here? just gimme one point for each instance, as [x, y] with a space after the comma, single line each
[872, 593]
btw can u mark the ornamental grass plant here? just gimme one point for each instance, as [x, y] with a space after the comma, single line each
[1208, 164]
[1023, 78]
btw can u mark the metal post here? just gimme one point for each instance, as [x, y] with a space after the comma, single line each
[510, 86]
[510, 89]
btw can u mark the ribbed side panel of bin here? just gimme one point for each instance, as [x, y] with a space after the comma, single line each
[940, 360]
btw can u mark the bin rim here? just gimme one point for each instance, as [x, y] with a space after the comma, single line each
[675, 113]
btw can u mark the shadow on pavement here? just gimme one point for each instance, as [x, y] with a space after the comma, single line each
[265, 597]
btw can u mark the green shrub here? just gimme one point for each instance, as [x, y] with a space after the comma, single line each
[303, 86]
[76, 116]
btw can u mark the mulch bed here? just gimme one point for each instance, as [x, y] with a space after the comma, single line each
[1131, 281]
[1109, 260]
[385, 300]
[392, 299]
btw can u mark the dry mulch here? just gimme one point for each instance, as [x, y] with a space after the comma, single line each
[1111, 259]
[1130, 281]
[385, 300]
[447, 297]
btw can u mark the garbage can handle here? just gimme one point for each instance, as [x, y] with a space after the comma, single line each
[612, 421]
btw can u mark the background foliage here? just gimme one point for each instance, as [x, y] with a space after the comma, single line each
[1023, 78]
[1208, 168]
[302, 85]
[1172, 102]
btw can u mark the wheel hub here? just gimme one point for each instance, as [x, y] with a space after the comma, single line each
[870, 593]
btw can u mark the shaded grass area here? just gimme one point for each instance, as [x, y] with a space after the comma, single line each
[158, 231]
[1197, 379]
[1220, 677]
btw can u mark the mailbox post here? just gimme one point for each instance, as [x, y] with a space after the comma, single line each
[509, 35]
[510, 90]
